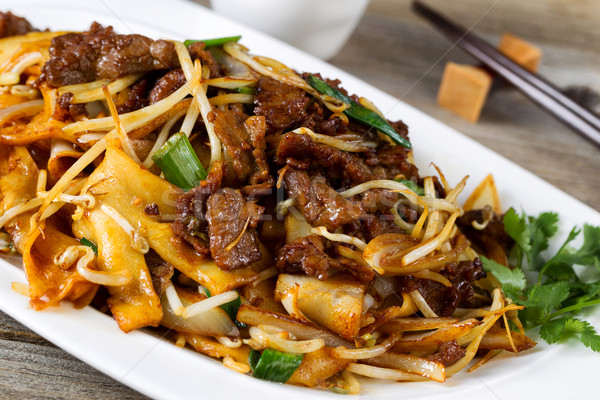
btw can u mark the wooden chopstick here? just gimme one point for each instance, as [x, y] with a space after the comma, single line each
[538, 89]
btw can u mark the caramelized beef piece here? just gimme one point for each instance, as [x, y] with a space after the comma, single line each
[11, 25]
[301, 152]
[318, 202]
[389, 161]
[309, 255]
[244, 139]
[197, 51]
[151, 209]
[135, 98]
[493, 232]
[444, 300]
[166, 85]
[102, 54]
[317, 119]
[232, 225]
[191, 222]
[448, 353]
[283, 105]
[65, 110]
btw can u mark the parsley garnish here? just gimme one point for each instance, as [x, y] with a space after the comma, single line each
[559, 293]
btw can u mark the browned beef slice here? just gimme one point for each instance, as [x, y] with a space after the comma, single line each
[388, 161]
[494, 230]
[283, 105]
[11, 25]
[318, 202]
[232, 219]
[444, 300]
[166, 85]
[197, 51]
[302, 152]
[191, 222]
[309, 255]
[102, 54]
[135, 98]
[448, 353]
[230, 128]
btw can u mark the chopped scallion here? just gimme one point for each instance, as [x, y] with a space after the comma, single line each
[214, 42]
[412, 186]
[273, 365]
[359, 112]
[231, 309]
[89, 244]
[180, 164]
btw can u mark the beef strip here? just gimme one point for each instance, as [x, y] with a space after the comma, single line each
[388, 161]
[448, 353]
[197, 51]
[233, 220]
[11, 25]
[493, 231]
[134, 98]
[302, 152]
[191, 222]
[166, 85]
[310, 255]
[102, 54]
[65, 110]
[283, 105]
[318, 202]
[444, 300]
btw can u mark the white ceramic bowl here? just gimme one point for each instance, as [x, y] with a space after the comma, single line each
[319, 27]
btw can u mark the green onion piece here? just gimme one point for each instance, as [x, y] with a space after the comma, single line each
[214, 42]
[412, 186]
[273, 365]
[89, 244]
[245, 90]
[180, 164]
[358, 112]
[231, 309]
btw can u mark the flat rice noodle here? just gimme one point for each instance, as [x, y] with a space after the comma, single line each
[390, 313]
[496, 338]
[7, 99]
[48, 283]
[411, 364]
[62, 157]
[416, 324]
[316, 367]
[336, 304]
[12, 47]
[213, 348]
[18, 183]
[119, 179]
[159, 121]
[428, 343]
[303, 330]
[136, 304]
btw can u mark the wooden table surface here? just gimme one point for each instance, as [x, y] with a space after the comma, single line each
[395, 51]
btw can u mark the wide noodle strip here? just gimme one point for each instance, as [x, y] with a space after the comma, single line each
[262, 216]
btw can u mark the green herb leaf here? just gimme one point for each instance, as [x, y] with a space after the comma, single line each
[512, 280]
[561, 328]
[89, 244]
[180, 164]
[273, 365]
[231, 309]
[213, 42]
[358, 112]
[412, 186]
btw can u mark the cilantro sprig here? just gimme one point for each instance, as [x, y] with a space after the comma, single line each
[559, 293]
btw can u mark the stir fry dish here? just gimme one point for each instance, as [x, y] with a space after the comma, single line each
[259, 215]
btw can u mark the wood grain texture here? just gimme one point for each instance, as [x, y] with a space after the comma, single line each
[397, 52]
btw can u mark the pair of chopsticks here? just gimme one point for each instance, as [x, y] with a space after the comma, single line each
[542, 92]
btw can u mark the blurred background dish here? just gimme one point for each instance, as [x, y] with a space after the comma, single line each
[319, 27]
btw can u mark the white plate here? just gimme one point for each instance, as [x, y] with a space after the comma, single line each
[161, 370]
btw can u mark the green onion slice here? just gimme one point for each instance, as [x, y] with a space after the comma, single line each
[180, 164]
[214, 42]
[273, 365]
[89, 244]
[231, 309]
[358, 112]
[412, 186]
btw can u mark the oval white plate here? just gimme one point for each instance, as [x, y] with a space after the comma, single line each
[161, 370]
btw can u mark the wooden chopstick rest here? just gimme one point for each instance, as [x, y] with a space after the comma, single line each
[465, 88]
